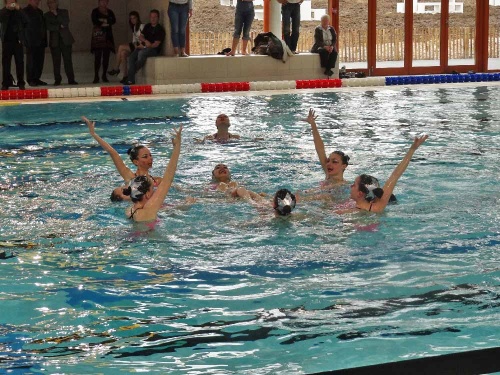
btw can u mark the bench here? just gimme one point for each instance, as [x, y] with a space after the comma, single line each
[163, 70]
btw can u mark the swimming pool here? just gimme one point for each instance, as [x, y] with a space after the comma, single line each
[221, 289]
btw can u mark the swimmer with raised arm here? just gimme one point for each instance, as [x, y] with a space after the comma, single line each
[222, 135]
[139, 155]
[140, 189]
[365, 190]
[335, 164]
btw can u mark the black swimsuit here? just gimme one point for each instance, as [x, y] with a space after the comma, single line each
[131, 217]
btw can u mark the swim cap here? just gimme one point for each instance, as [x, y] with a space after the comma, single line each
[284, 202]
[137, 188]
[370, 186]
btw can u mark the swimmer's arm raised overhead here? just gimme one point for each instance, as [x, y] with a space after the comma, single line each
[124, 171]
[390, 184]
[156, 201]
[318, 142]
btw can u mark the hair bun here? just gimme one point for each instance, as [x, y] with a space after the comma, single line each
[127, 191]
[378, 192]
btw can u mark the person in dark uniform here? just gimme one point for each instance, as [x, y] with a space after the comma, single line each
[12, 24]
[36, 41]
[102, 43]
[60, 41]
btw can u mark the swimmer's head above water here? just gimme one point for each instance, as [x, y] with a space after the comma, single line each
[336, 163]
[284, 202]
[222, 120]
[117, 195]
[221, 173]
[141, 156]
[138, 188]
[369, 186]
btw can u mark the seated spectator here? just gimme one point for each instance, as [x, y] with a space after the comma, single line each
[124, 50]
[12, 24]
[325, 40]
[222, 123]
[151, 39]
[60, 41]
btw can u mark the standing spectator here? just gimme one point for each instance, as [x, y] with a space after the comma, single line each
[178, 12]
[36, 41]
[325, 40]
[103, 42]
[60, 41]
[151, 39]
[12, 24]
[290, 11]
[243, 18]
[124, 50]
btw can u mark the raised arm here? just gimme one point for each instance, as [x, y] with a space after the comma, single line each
[318, 142]
[124, 171]
[388, 188]
[156, 201]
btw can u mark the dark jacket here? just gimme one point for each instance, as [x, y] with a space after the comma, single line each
[111, 20]
[36, 33]
[318, 39]
[58, 27]
[19, 19]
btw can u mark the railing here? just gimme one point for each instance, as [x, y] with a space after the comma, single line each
[353, 43]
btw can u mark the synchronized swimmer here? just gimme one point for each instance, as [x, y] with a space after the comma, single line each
[148, 193]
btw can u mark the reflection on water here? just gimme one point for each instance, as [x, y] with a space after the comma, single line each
[223, 288]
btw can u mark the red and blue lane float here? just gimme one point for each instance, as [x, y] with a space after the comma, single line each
[24, 94]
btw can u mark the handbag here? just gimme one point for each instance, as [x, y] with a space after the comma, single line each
[99, 38]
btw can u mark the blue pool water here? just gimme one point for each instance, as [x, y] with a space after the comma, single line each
[222, 288]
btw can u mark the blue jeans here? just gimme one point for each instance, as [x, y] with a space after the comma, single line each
[291, 12]
[243, 19]
[178, 14]
[137, 59]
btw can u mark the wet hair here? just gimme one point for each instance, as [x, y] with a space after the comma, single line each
[137, 188]
[370, 186]
[284, 202]
[214, 179]
[133, 152]
[138, 24]
[115, 197]
[345, 157]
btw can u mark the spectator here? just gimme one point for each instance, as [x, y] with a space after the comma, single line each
[179, 11]
[103, 42]
[12, 24]
[243, 18]
[124, 50]
[60, 41]
[290, 11]
[325, 40]
[36, 41]
[151, 39]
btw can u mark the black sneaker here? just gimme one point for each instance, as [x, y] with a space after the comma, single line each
[57, 83]
[5, 87]
[114, 72]
[124, 80]
[72, 83]
[41, 83]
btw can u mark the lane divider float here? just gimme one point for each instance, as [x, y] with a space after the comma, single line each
[134, 90]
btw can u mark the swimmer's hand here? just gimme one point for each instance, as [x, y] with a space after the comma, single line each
[90, 124]
[311, 117]
[176, 139]
[417, 142]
